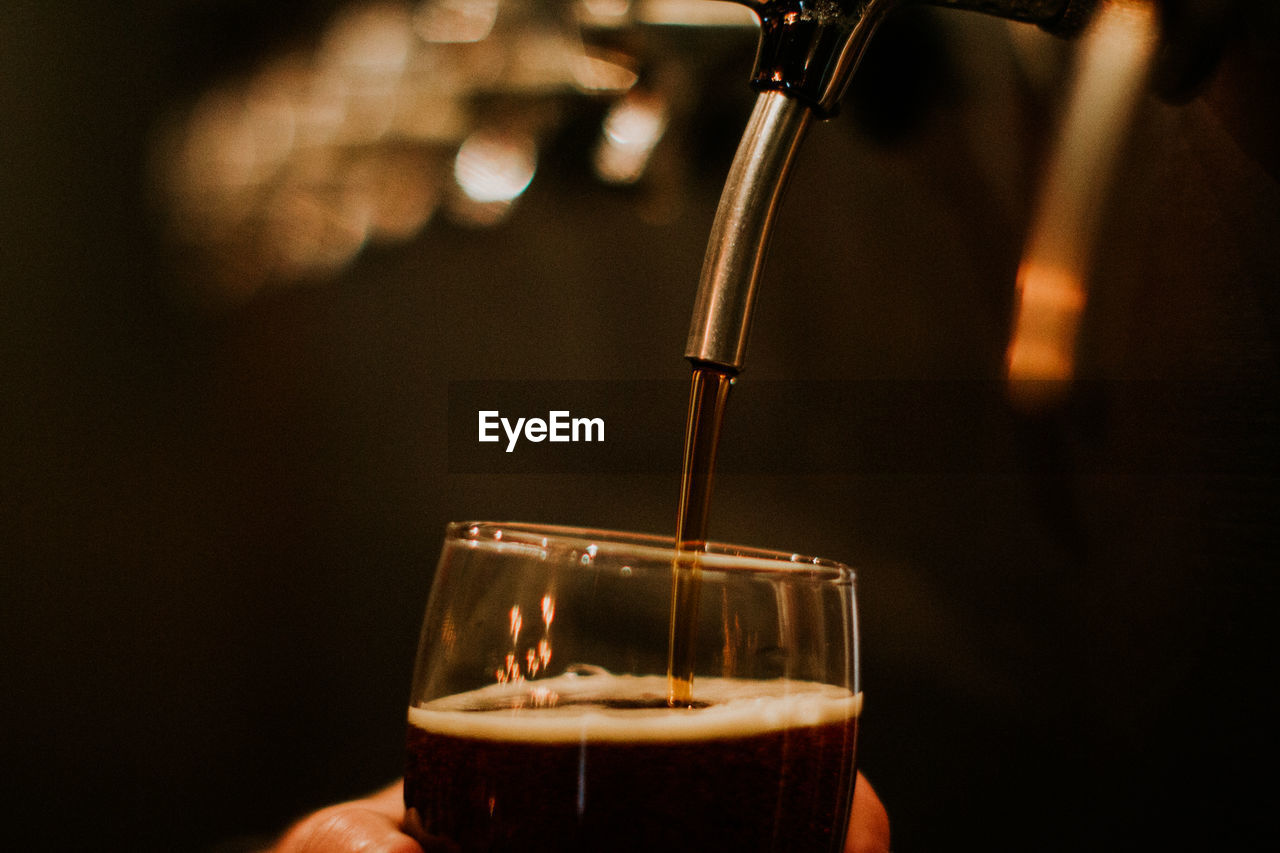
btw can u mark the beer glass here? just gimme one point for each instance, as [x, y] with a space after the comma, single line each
[542, 715]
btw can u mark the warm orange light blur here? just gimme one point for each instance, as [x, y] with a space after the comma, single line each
[495, 167]
[288, 173]
[603, 74]
[1115, 59]
[1041, 355]
[455, 21]
[696, 13]
[632, 128]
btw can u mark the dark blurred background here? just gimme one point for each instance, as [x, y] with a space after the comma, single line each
[223, 492]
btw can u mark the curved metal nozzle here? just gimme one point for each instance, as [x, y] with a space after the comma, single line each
[808, 53]
[739, 234]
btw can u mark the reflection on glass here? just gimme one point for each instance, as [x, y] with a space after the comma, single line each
[516, 667]
[517, 622]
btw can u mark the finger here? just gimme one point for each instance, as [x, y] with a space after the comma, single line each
[869, 823]
[371, 825]
[388, 801]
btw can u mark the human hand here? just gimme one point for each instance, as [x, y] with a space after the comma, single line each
[368, 825]
[869, 823]
[374, 824]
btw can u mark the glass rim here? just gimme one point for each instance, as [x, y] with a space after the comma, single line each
[717, 555]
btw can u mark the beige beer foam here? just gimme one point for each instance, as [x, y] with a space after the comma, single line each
[736, 708]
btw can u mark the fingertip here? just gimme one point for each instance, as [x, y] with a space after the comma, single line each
[388, 801]
[399, 843]
[348, 827]
[869, 824]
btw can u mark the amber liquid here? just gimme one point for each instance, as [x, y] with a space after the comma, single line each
[756, 793]
[765, 767]
[708, 398]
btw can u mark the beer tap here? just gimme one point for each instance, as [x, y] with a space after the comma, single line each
[808, 53]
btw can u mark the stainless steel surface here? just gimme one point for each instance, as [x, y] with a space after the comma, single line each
[869, 16]
[810, 50]
[740, 233]
[831, 40]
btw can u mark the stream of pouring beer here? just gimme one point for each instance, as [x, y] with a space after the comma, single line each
[708, 397]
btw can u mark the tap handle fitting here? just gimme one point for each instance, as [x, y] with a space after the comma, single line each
[809, 49]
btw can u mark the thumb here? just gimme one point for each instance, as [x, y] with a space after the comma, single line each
[369, 825]
[869, 823]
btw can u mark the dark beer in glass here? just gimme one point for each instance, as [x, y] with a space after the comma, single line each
[542, 717]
